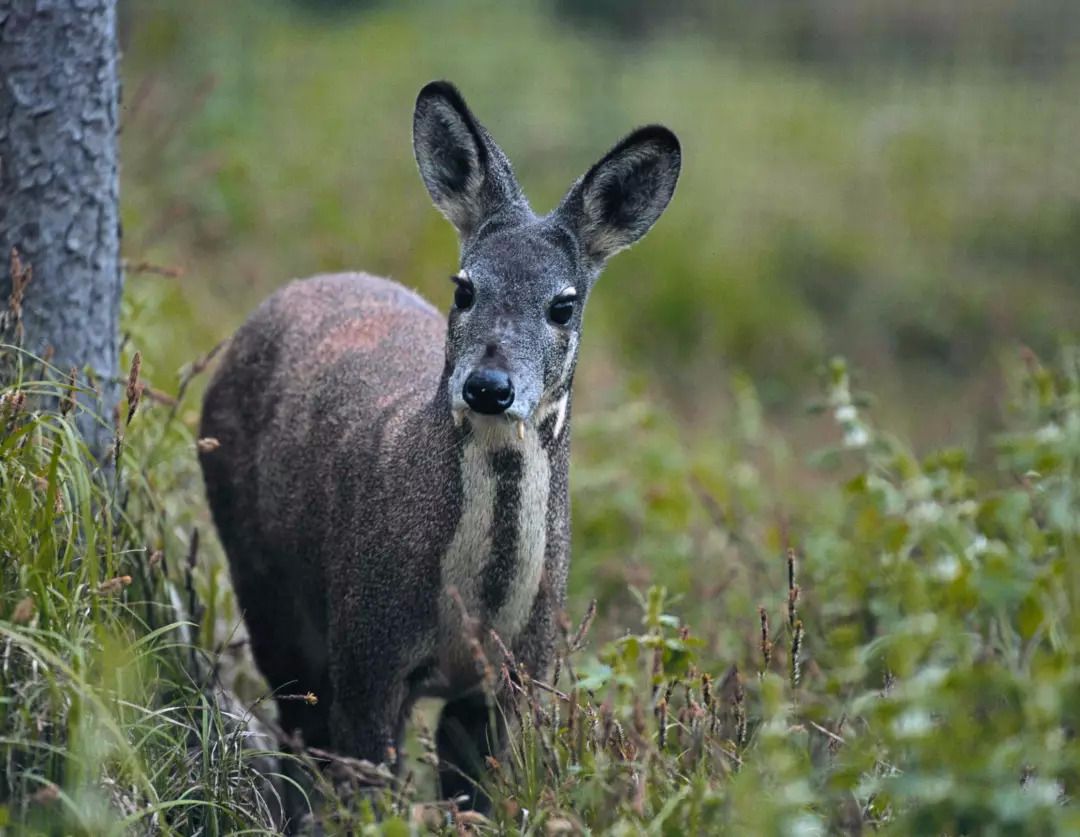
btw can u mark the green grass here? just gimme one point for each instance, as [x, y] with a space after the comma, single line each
[110, 718]
[934, 608]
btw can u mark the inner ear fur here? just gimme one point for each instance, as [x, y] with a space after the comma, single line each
[621, 197]
[464, 170]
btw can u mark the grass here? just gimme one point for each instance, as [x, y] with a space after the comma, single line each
[110, 720]
[897, 653]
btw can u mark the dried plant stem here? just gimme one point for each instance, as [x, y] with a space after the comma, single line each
[766, 643]
[793, 591]
[578, 641]
[796, 652]
[143, 266]
[134, 387]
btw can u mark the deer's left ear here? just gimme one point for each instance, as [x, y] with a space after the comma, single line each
[620, 198]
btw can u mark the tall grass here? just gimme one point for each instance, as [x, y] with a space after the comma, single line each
[110, 717]
[899, 653]
[913, 670]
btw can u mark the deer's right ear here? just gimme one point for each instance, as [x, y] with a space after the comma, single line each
[465, 172]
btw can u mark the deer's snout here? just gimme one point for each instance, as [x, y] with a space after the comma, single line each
[488, 391]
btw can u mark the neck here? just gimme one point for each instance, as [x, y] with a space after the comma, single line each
[513, 491]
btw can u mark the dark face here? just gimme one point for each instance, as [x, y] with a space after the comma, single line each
[513, 332]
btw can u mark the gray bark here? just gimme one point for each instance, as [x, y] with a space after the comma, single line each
[59, 188]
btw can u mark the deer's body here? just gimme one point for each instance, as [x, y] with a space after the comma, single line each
[390, 488]
[298, 399]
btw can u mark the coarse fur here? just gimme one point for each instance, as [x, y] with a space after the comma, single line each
[376, 526]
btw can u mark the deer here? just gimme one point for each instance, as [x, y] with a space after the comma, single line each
[390, 483]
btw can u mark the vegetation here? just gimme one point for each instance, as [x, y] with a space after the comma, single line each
[912, 665]
[804, 624]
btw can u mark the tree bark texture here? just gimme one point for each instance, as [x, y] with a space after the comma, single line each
[59, 187]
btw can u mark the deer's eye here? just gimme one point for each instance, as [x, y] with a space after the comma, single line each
[561, 310]
[464, 294]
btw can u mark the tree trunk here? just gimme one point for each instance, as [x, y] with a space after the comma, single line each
[59, 187]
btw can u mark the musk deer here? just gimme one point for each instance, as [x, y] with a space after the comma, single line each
[391, 484]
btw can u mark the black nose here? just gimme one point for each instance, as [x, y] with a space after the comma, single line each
[489, 391]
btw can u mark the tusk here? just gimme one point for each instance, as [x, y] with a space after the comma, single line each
[521, 430]
[560, 418]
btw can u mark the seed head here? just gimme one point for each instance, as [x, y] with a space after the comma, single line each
[796, 651]
[134, 386]
[114, 585]
[20, 277]
[766, 644]
[12, 403]
[661, 721]
[583, 628]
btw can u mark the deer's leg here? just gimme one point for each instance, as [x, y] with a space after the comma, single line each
[370, 700]
[286, 640]
[374, 652]
[535, 646]
[470, 729]
[475, 727]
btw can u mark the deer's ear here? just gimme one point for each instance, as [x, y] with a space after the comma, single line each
[620, 198]
[465, 172]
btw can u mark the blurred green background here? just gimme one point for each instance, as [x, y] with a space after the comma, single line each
[892, 181]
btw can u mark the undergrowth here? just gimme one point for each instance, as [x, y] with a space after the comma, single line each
[110, 717]
[912, 668]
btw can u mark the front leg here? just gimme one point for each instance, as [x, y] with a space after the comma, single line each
[473, 728]
[365, 718]
[369, 670]
[381, 635]
[470, 729]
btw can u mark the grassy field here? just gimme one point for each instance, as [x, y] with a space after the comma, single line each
[864, 615]
[900, 654]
